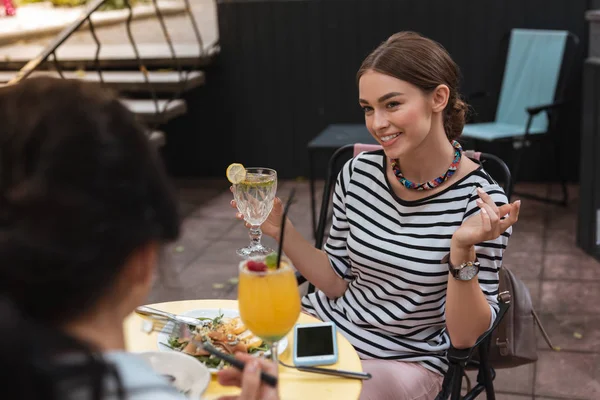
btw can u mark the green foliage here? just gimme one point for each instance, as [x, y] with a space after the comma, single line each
[108, 4]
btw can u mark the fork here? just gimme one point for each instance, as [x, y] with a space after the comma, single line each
[183, 331]
[158, 314]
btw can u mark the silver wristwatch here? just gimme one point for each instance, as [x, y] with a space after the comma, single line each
[463, 272]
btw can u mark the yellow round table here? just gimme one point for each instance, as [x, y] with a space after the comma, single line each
[293, 384]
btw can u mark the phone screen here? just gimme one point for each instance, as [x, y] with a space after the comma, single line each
[314, 341]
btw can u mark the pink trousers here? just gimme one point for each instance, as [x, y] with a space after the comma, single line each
[397, 380]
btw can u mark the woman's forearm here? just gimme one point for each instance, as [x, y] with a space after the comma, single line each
[468, 313]
[312, 263]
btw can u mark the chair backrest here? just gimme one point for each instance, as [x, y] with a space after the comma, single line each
[498, 167]
[360, 147]
[334, 166]
[531, 74]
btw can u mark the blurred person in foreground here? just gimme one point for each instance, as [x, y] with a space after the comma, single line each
[84, 207]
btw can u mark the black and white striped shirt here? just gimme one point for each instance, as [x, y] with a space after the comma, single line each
[390, 252]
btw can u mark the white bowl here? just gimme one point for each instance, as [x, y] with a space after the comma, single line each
[191, 376]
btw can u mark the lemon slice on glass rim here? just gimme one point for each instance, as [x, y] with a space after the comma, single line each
[236, 173]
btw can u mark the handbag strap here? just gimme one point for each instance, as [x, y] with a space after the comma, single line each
[544, 334]
[467, 379]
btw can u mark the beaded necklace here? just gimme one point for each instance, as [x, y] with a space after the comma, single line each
[435, 182]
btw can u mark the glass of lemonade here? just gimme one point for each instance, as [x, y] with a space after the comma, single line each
[268, 298]
[254, 197]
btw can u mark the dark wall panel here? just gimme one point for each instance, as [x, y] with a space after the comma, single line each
[287, 68]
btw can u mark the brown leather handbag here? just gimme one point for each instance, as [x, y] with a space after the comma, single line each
[514, 341]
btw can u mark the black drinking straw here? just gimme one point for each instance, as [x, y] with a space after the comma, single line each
[283, 218]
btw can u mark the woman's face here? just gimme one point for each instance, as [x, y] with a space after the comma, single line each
[397, 113]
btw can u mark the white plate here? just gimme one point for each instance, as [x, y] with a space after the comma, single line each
[191, 376]
[208, 313]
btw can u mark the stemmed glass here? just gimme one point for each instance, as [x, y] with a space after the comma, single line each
[269, 300]
[254, 197]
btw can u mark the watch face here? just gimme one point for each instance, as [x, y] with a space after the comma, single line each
[467, 273]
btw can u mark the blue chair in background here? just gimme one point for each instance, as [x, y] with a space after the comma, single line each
[535, 78]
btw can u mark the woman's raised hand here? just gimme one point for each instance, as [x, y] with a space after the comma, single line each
[489, 224]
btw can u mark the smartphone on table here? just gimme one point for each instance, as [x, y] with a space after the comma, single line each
[315, 344]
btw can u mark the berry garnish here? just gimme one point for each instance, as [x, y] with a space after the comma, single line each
[255, 266]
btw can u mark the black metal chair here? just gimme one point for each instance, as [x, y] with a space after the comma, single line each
[460, 360]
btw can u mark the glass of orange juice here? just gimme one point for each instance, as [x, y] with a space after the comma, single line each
[268, 298]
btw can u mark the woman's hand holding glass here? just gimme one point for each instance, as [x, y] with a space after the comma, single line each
[271, 226]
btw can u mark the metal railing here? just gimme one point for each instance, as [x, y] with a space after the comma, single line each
[49, 54]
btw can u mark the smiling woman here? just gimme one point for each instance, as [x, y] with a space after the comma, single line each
[418, 231]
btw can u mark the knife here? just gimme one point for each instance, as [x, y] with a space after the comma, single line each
[153, 312]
